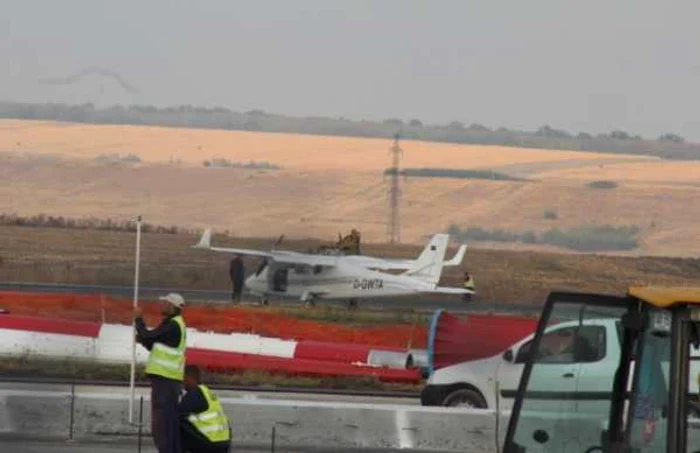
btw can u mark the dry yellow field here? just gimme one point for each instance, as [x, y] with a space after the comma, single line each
[309, 152]
[330, 184]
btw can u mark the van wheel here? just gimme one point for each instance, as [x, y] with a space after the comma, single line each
[465, 398]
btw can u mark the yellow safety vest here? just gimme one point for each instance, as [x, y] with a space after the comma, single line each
[167, 361]
[212, 423]
[469, 284]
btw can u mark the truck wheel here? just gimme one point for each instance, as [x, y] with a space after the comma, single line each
[465, 398]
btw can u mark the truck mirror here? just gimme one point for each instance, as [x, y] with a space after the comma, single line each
[508, 355]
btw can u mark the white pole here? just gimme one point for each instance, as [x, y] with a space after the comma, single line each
[132, 378]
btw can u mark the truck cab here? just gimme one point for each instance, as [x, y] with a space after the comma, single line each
[641, 403]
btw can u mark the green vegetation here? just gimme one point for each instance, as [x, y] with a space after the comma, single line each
[602, 184]
[225, 163]
[587, 238]
[453, 173]
[592, 238]
[480, 234]
[362, 318]
[88, 223]
[670, 146]
[550, 214]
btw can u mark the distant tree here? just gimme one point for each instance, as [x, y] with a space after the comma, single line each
[584, 136]
[548, 131]
[476, 127]
[456, 125]
[673, 138]
[392, 122]
[620, 135]
[415, 123]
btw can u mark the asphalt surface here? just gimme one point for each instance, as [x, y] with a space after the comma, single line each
[9, 388]
[422, 304]
[131, 446]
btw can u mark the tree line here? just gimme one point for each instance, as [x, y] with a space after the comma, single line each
[667, 145]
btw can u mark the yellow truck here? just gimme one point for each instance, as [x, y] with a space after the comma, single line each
[642, 406]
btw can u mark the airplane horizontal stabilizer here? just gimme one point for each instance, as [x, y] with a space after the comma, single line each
[450, 290]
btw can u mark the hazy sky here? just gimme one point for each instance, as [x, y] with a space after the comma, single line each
[580, 65]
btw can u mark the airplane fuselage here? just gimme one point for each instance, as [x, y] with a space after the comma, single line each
[339, 282]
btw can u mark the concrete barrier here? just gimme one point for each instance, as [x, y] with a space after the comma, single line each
[57, 414]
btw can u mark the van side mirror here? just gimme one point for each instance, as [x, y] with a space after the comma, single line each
[508, 356]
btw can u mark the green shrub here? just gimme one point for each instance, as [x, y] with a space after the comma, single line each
[592, 238]
[587, 238]
[602, 184]
[453, 173]
[550, 214]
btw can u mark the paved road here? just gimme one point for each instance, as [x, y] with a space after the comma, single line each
[9, 388]
[130, 446]
[422, 304]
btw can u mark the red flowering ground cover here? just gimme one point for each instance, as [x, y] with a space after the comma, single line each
[223, 319]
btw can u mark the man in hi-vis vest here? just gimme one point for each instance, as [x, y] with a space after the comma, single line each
[165, 368]
[203, 423]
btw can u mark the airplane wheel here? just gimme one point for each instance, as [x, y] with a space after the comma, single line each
[352, 304]
[265, 301]
[310, 303]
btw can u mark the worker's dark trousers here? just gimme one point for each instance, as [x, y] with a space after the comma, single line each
[236, 291]
[194, 442]
[165, 421]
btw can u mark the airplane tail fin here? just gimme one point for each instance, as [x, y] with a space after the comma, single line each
[459, 256]
[428, 266]
[204, 241]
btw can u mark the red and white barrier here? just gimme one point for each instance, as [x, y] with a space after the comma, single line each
[109, 343]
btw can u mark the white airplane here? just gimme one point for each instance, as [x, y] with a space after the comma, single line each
[350, 277]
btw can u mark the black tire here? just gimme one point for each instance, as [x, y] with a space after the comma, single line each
[465, 397]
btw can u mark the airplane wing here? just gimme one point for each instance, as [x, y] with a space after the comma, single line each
[303, 258]
[279, 256]
[205, 243]
[377, 263]
[389, 264]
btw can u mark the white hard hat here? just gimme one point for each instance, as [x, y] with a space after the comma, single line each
[175, 299]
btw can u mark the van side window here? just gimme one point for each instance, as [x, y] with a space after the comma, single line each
[590, 344]
[568, 345]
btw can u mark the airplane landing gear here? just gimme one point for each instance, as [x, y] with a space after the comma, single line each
[310, 303]
[352, 304]
[308, 299]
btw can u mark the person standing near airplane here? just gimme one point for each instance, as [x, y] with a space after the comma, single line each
[237, 274]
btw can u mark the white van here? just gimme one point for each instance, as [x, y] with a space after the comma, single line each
[492, 382]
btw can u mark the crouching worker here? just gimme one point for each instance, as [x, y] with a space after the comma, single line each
[203, 425]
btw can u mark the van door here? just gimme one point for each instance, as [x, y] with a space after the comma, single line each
[597, 353]
[546, 412]
[557, 370]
